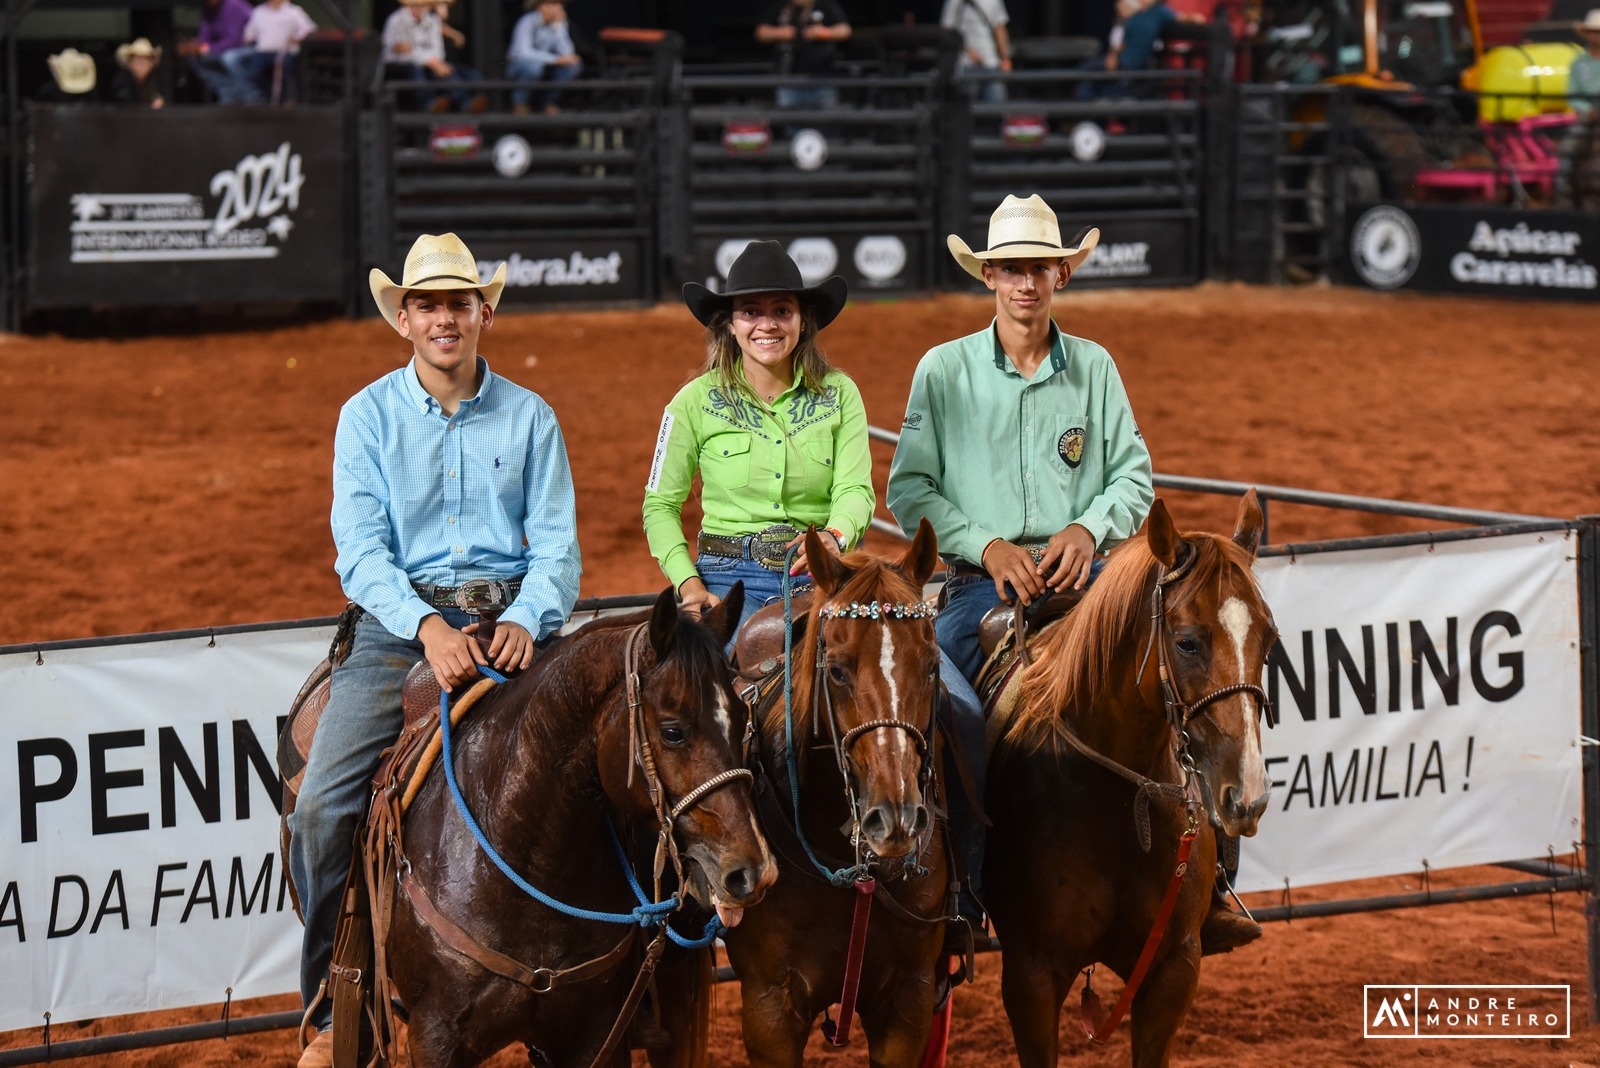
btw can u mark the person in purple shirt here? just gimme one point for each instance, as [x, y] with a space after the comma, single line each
[221, 31]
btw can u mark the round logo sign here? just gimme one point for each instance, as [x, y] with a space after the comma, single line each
[729, 251]
[815, 256]
[512, 155]
[1385, 247]
[1088, 142]
[809, 149]
[880, 259]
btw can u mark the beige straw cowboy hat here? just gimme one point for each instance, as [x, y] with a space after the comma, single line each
[138, 47]
[73, 70]
[436, 261]
[1591, 22]
[1022, 228]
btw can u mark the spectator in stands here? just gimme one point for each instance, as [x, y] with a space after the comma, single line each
[1579, 178]
[413, 50]
[985, 41]
[805, 33]
[265, 62]
[1133, 49]
[72, 78]
[222, 24]
[136, 82]
[541, 48]
[1583, 78]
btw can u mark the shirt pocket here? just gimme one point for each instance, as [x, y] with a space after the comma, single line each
[725, 461]
[816, 476]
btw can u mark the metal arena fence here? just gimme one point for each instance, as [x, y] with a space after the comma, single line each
[1547, 875]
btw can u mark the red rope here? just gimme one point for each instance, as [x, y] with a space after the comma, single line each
[1099, 1026]
[839, 1037]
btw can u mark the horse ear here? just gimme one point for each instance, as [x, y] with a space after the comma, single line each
[1248, 526]
[663, 622]
[1161, 535]
[922, 557]
[724, 619]
[827, 569]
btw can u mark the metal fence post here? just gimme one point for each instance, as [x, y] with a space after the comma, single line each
[1589, 674]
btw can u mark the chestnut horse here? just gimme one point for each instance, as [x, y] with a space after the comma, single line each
[855, 753]
[1141, 709]
[551, 764]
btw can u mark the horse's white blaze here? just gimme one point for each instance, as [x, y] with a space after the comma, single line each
[724, 717]
[1234, 615]
[766, 857]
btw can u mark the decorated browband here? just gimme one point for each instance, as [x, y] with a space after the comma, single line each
[879, 610]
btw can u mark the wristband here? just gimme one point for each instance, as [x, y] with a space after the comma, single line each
[838, 536]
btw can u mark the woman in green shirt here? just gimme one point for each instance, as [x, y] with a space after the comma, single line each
[778, 437]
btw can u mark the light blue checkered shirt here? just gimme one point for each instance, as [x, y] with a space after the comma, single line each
[486, 493]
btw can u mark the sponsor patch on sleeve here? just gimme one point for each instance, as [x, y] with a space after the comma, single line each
[913, 421]
[663, 436]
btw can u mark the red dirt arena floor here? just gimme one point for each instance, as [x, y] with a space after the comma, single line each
[161, 483]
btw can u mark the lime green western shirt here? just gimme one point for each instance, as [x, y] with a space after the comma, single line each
[985, 453]
[803, 460]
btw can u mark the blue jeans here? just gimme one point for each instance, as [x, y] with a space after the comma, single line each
[968, 598]
[531, 70]
[761, 587]
[416, 72]
[808, 96]
[228, 86]
[362, 718]
[252, 72]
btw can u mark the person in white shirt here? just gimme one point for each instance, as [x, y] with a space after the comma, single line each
[264, 65]
[985, 41]
[413, 50]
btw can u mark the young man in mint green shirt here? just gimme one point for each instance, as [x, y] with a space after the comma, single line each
[1020, 449]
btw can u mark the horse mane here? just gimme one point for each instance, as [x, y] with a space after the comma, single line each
[873, 579]
[1074, 662]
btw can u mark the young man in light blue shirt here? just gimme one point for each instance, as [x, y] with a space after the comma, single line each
[443, 472]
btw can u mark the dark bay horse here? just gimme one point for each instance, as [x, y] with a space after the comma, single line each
[1069, 882]
[865, 670]
[549, 763]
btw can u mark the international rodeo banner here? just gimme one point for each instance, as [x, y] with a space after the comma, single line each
[1429, 704]
[186, 205]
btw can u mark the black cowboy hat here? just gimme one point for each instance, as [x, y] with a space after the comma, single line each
[764, 267]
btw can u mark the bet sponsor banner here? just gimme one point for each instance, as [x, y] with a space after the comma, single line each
[889, 262]
[1472, 249]
[136, 207]
[1429, 709]
[139, 864]
[548, 270]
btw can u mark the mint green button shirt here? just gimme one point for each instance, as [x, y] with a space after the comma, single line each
[985, 453]
[802, 460]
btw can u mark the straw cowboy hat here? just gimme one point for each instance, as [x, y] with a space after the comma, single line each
[764, 267]
[1020, 229]
[139, 47]
[1591, 22]
[435, 262]
[72, 70]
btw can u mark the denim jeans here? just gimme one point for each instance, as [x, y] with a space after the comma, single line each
[362, 718]
[761, 587]
[531, 70]
[968, 598]
[225, 83]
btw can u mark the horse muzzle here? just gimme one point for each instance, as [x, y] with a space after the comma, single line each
[730, 883]
[892, 830]
[1237, 816]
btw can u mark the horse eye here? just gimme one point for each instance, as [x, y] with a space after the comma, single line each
[837, 674]
[1188, 646]
[673, 734]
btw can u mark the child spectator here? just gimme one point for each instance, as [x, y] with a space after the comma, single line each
[985, 41]
[541, 49]
[413, 50]
[272, 36]
[136, 82]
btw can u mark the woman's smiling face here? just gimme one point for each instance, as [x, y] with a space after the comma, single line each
[767, 328]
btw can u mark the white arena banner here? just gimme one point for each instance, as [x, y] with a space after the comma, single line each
[1429, 704]
[139, 864]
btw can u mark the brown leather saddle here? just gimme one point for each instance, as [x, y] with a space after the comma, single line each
[1003, 636]
[758, 650]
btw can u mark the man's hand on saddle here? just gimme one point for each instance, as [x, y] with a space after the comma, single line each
[694, 600]
[801, 566]
[511, 648]
[1067, 558]
[1012, 568]
[455, 655]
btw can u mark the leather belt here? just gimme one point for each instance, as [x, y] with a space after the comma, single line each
[766, 547]
[445, 596]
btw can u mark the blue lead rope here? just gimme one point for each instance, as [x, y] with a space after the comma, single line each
[647, 914]
[843, 876]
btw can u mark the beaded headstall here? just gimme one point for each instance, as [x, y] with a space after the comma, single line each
[879, 610]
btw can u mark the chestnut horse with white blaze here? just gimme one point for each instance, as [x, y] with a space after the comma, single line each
[1138, 723]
